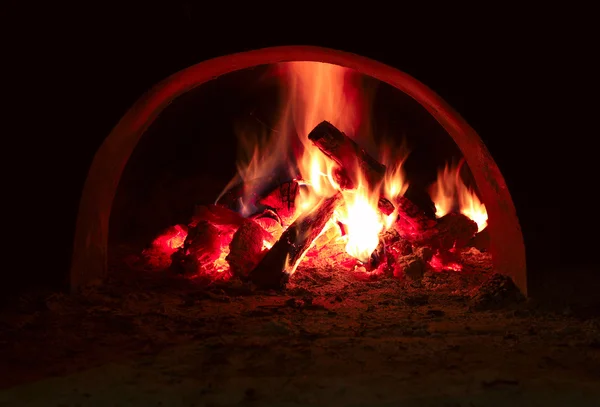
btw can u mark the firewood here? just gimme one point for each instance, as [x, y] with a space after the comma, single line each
[351, 159]
[281, 200]
[247, 248]
[481, 241]
[210, 231]
[411, 266]
[378, 257]
[349, 156]
[412, 223]
[281, 261]
[201, 248]
[454, 230]
[252, 191]
[385, 206]
[217, 215]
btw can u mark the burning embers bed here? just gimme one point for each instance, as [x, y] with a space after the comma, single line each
[340, 204]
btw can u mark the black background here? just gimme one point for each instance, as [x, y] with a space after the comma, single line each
[71, 74]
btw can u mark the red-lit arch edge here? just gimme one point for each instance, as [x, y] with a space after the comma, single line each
[89, 261]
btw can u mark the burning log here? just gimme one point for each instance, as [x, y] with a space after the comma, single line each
[201, 248]
[282, 201]
[285, 255]
[329, 234]
[385, 206]
[217, 215]
[481, 241]
[411, 266]
[378, 257]
[247, 248]
[211, 229]
[453, 230]
[412, 222]
[347, 154]
[252, 191]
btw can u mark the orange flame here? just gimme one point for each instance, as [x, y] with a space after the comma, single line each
[318, 92]
[323, 92]
[363, 221]
[395, 183]
[444, 190]
[449, 192]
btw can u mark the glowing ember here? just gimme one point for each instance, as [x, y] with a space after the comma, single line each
[450, 192]
[221, 265]
[267, 245]
[438, 263]
[171, 240]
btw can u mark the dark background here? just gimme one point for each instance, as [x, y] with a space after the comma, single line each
[71, 74]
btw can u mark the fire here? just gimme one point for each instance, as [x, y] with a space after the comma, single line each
[171, 240]
[324, 92]
[344, 195]
[221, 265]
[363, 223]
[450, 193]
[473, 208]
[443, 191]
[438, 263]
[266, 245]
[395, 183]
[317, 92]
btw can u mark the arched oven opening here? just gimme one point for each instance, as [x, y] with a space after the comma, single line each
[309, 178]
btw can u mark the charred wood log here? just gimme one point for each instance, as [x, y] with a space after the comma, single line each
[330, 234]
[385, 206]
[212, 227]
[378, 257]
[201, 248]
[282, 201]
[349, 156]
[481, 241]
[247, 248]
[452, 231]
[217, 215]
[412, 223]
[253, 192]
[455, 230]
[281, 261]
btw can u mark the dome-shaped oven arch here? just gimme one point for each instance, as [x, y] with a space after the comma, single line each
[89, 261]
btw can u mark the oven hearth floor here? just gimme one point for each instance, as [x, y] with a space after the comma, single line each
[149, 340]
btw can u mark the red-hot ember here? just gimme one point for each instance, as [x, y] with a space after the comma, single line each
[171, 240]
[439, 263]
[340, 202]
